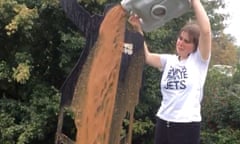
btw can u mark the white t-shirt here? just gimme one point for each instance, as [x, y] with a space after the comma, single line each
[182, 87]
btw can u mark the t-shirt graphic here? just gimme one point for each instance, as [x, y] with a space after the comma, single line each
[176, 78]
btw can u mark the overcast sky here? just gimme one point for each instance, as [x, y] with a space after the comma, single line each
[233, 8]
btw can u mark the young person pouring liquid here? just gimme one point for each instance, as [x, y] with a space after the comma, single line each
[182, 83]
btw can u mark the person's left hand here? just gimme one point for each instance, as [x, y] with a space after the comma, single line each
[134, 20]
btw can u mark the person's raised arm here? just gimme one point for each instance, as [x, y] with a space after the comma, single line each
[77, 14]
[152, 59]
[205, 29]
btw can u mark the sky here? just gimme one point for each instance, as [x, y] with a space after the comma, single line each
[232, 7]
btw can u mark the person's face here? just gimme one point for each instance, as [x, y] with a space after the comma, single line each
[184, 45]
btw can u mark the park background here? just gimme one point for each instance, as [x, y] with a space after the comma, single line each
[39, 46]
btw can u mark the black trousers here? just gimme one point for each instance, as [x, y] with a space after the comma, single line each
[177, 133]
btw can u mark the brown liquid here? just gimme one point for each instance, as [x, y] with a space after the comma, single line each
[127, 98]
[94, 96]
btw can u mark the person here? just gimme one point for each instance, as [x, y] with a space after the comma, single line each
[183, 78]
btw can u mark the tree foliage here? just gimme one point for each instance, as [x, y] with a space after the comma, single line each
[224, 51]
[221, 108]
[38, 49]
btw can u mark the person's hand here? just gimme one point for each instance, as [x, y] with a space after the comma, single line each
[134, 20]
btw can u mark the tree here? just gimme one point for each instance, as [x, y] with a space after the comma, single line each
[38, 49]
[224, 51]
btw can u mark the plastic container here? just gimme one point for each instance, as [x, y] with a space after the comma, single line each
[155, 13]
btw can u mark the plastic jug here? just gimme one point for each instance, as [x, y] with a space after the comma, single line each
[155, 13]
